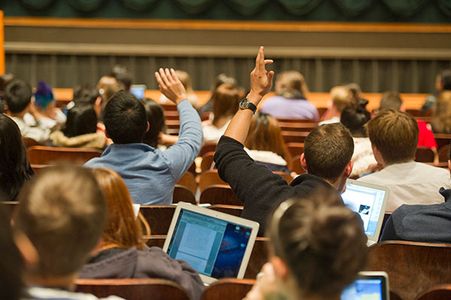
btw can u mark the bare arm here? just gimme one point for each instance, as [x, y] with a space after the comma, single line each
[261, 82]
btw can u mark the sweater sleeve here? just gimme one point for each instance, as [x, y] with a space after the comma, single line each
[389, 232]
[253, 183]
[182, 154]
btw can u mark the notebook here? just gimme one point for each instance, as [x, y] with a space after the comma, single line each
[368, 200]
[215, 244]
[368, 286]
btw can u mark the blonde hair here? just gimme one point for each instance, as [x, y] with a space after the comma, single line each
[341, 97]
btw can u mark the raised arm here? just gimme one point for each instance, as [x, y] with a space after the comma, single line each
[181, 155]
[261, 82]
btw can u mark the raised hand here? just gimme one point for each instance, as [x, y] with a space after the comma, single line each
[170, 85]
[261, 79]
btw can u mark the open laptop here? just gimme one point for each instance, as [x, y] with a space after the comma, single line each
[368, 200]
[368, 286]
[215, 244]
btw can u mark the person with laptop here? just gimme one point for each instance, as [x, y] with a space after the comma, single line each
[318, 247]
[150, 174]
[421, 223]
[327, 157]
[394, 137]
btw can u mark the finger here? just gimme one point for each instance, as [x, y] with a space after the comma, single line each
[257, 59]
[164, 77]
[160, 81]
[268, 61]
[270, 77]
[168, 75]
[174, 75]
[261, 61]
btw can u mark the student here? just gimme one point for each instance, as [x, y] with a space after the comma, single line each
[441, 114]
[80, 129]
[327, 157]
[15, 169]
[58, 222]
[220, 79]
[317, 248]
[341, 97]
[394, 138]
[421, 223]
[290, 101]
[225, 105]
[157, 123]
[150, 174]
[122, 252]
[18, 101]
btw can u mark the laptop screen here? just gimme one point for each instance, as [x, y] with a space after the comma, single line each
[212, 246]
[367, 202]
[365, 289]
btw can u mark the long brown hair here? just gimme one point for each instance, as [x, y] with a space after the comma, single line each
[122, 229]
[441, 116]
[265, 135]
[226, 100]
[291, 85]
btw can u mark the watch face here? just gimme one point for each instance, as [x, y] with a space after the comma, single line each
[244, 104]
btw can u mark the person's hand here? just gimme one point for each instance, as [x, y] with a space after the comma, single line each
[266, 286]
[170, 85]
[261, 79]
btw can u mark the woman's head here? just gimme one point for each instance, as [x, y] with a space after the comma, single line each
[122, 228]
[156, 119]
[226, 101]
[81, 119]
[266, 135]
[14, 166]
[441, 116]
[185, 79]
[320, 242]
[43, 96]
[355, 118]
[291, 85]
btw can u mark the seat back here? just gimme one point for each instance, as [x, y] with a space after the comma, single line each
[438, 292]
[209, 178]
[44, 155]
[219, 194]
[183, 194]
[158, 217]
[188, 181]
[207, 162]
[424, 154]
[259, 256]
[233, 210]
[443, 153]
[207, 147]
[295, 149]
[235, 289]
[294, 136]
[412, 267]
[132, 289]
[8, 207]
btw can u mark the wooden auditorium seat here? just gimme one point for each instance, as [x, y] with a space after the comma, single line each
[158, 217]
[132, 289]
[259, 256]
[412, 267]
[29, 142]
[424, 154]
[188, 181]
[295, 149]
[209, 178]
[44, 155]
[219, 194]
[234, 210]
[442, 139]
[437, 292]
[443, 153]
[289, 120]
[298, 127]
[156, 240]
[235, 289]
[207, 147]
[8, 207]
[294, 136]
[183, 194]
[207, 162]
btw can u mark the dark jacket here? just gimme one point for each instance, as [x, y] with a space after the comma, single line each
[147, 263]
[421, 223]
[260, 190]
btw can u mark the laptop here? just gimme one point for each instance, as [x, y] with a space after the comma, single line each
[368, 286]
[368, 200]
[215, 244]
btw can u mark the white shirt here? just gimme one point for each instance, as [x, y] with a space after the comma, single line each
[211, 133]
[330, 121]
[411, 183]
[49, 294]
[363, 157]
[39, 134]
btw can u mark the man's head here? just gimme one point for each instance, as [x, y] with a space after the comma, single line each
[328, 151]
[18, 96]
[391, 100]
[125, 119]
[394, 137]
[62, 213]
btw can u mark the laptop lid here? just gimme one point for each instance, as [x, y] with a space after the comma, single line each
[215, 244]
[368, 200]
[368, 285]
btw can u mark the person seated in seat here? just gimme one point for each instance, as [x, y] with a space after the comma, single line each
[290, 101]
[156, 136]
[15, 169]
[80, 129]
[150, 174]
[122, 252]
[441, 114]
[317, 248]
[421, 223]
[225, 104]
[394, 139]
[327, 157]
[58, 222]
[265, 143]
[185, 79]
[341, 97]
[18, 105]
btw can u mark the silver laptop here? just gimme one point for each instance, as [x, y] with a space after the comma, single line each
[215, 244]
[368, 285]
[368, 200]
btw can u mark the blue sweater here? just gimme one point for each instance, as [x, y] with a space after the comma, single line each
[151, 174]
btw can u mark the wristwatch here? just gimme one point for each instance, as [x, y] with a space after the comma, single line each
[246, 104]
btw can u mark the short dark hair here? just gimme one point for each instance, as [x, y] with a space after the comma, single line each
[62, 211]
[125, 119]
[81, 119]
[327, 150]
[18, 96]
[322, 242]
[395, 135]
[85, 95]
